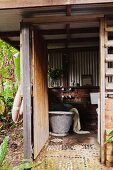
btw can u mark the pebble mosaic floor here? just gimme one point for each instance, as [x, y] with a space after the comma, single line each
[67, 154]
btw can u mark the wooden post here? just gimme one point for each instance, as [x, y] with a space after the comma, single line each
[102, 90]
[26, 82]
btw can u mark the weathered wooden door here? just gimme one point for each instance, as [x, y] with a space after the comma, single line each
[40, 92]
[35, 91]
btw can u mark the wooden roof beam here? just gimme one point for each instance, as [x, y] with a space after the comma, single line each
[68, 13]
[10, 34]
[7, 4]
[62, 19]
[87, 39]
[72, 30]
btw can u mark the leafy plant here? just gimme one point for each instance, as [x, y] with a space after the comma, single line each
[54, 74]
[5, 165]
[17, 66]
[9, 77]
[3, 150]
[2, 106]
[110, 139]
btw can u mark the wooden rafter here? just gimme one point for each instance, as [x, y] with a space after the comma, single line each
[10, 34]
[68, 13]
[62, 19]
[89, 39]
[72, 30]
[6, 4]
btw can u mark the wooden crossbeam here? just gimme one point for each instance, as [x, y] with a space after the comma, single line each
[68, 13]
[90, 39]
[10, 34]
[72, 30]
[6, 4]
[62, 19]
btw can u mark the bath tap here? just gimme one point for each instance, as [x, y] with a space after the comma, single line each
[63, 96]
[69, 96]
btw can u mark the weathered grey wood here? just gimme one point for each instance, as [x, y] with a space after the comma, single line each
[26, 79]
[109, 43]
[109, 58]
[109, 86]
[102, 89]
[109, 72]
[106, 50]
[4, 4]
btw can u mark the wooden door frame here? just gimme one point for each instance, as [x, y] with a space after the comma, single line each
[25, 50]
[102, 89]
[26, 56]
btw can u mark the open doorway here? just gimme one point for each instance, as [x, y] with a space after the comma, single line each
[76, 62]
[72, 82]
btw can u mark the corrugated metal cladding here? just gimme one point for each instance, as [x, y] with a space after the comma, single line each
[81, 63]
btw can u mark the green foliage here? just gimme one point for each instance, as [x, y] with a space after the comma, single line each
[2, 106]
[3, 150]
[4, 165]
[110, 139]
[9, 74]
[17, 66]
[54, 74]
[26, 165]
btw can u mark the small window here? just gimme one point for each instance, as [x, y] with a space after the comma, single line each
[86, 80]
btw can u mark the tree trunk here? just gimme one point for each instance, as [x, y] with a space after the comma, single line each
[1, 84]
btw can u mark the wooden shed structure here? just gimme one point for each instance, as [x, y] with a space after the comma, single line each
[63, 28]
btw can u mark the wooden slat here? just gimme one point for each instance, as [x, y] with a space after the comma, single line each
[109, 86]
[109, 72]
[72, 30]
[109, 92]
[109, 29]
[109, 43]
[76, 40]
[26, 79]
[4, 4]
[10, 34]
[106, 49]
[62, 19]
[109, 58]
[102, 89]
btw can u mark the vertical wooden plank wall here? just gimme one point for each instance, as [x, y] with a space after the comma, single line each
[102, 89]
[40, 93]
[26, 80]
